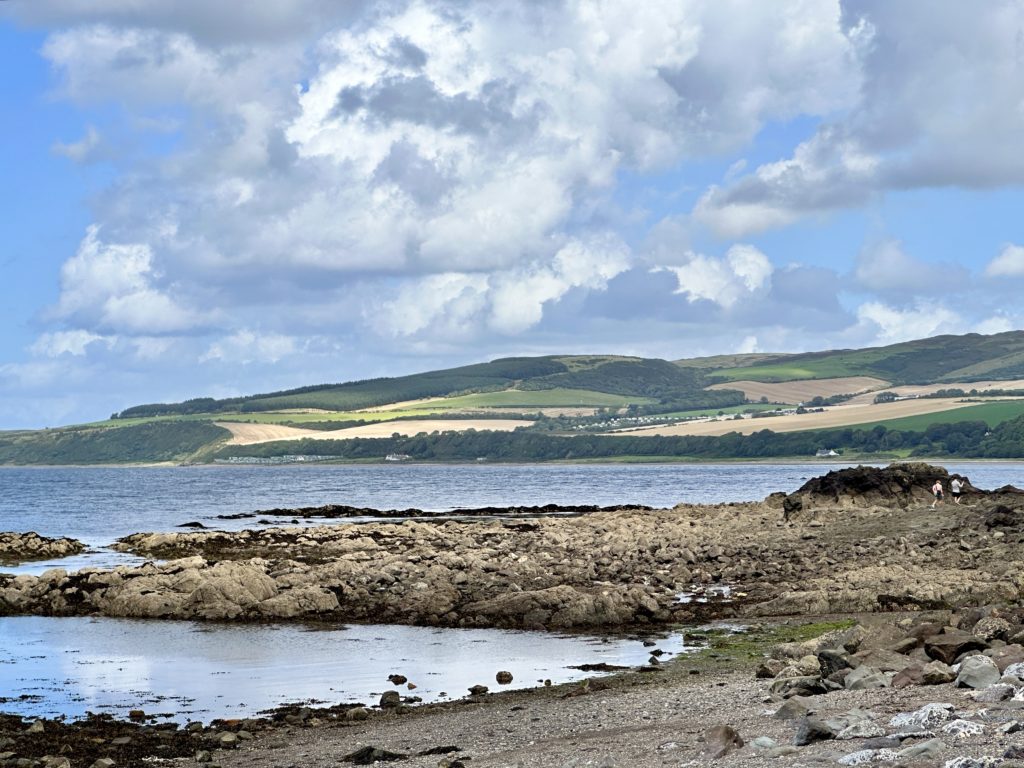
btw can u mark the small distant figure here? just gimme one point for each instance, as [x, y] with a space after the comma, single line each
[955, 489]
[937, 492]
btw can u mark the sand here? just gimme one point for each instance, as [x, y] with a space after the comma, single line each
[252, 434]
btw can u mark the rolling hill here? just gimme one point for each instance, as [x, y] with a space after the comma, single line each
[971, 357]
[614, 400]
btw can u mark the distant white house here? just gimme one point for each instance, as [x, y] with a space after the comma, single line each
[397, 457]
[824, 453]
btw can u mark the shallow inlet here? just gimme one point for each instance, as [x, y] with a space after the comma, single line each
[202, 671]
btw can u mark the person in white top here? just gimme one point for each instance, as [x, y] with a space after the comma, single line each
[956, 488]
[937, 492]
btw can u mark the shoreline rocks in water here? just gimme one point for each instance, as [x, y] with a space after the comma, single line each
[336, 511]
[20, 547]
[603, 569]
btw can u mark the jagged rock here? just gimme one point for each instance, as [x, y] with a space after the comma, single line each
[948, 646]
[21, 547]
[927, 716]
[977, 672]
[720, 741]
[856, 724]
[762, 743]
[937, 673]
[962, 729]
[769, 668]
[992, 628]
[910, 676]
[897, 484]
[923, 751]
[369, 755]
[1006, 655]
[995, 693]
[831, 661]
[866, 756]
[798, 686]
[794, 708]
[811, 730]
[866, 677]
[503, 678]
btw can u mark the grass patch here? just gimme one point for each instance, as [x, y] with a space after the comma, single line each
[541, 398]
[724, 649]
[834, 368]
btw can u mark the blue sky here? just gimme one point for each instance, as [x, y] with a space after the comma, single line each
[201, 203]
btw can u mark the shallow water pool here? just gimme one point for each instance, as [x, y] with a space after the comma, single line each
[202, 671]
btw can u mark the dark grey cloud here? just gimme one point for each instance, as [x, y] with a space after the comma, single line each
[214, 23]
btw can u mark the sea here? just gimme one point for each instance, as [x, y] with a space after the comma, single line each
[200, 671]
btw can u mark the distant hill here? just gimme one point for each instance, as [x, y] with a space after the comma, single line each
[591, 406]
[972, 357]
[643, 378]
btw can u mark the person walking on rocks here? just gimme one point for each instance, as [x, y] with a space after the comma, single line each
[955, 489]
[937, 492]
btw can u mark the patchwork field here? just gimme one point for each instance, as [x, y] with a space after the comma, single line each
[917, 390]
[252, 434]
[803, 390]
[837, 416]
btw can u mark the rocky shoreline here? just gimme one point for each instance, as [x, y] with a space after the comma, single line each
[940, 683]
[22, 547]
[857, 540]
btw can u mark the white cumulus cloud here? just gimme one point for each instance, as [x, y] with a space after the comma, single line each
[1009, 262]
[743, 272]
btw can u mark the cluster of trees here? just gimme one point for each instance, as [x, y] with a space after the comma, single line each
[964, 439]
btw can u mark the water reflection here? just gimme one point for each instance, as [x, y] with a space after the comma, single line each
[204, 671]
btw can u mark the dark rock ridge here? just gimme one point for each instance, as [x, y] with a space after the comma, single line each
[337, 511]
[602, 569]
[19, 547]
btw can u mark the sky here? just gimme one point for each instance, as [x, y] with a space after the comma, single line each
[200, 200]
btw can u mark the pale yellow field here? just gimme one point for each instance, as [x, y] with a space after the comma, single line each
[803, 390]
[927, 389]
[837, 416]
[251, 434]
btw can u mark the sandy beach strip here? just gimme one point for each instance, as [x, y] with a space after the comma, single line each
[252, 434]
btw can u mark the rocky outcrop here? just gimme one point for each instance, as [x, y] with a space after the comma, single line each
[895, 485]
[19, 547]
[608, 568]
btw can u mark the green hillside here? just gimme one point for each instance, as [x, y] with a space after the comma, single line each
[942, 358]
[635, 379]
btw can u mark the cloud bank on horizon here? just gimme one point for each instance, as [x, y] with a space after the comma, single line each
[313, 191]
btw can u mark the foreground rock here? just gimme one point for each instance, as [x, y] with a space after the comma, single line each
[606, 568]
[19, 547]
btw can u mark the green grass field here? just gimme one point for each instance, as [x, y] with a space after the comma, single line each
[825, 369]
[540, 398]
[991, 413]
